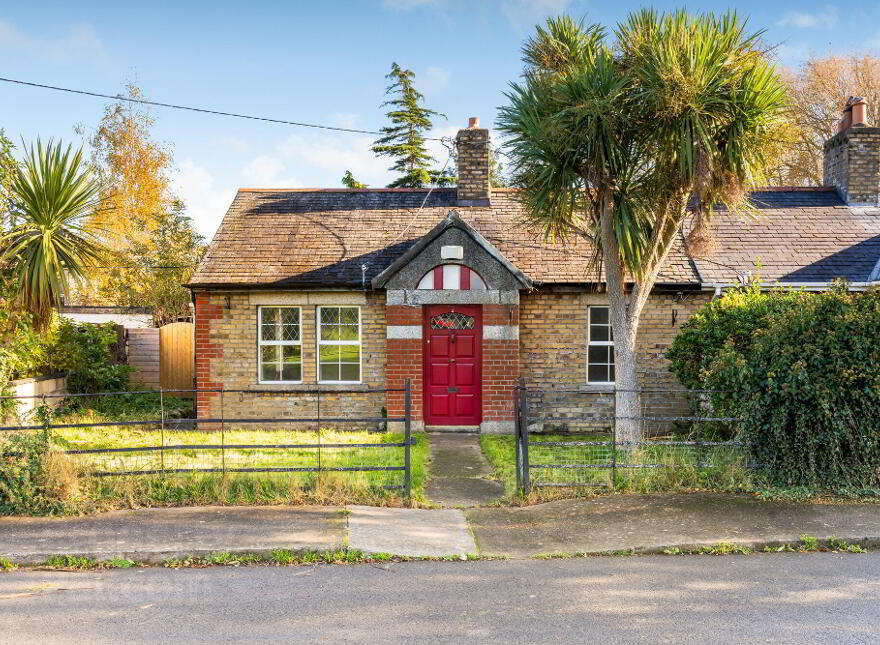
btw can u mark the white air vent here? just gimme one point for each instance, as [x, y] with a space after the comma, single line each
[451, 252]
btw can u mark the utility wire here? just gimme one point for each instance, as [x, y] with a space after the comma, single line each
[119, 97]
[451, 148]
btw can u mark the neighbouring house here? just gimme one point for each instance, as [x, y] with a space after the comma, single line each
[355, 290]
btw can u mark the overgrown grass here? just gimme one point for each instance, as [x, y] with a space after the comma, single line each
[84, 493]
[647, 469]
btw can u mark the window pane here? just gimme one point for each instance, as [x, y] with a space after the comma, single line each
[477, 282]
[428, 281]
[330, 315]
[291, 372]
[611, 376]
[270, 315]
[269, 332]
[329, 372]
[290, 316]
[270, 372]
[348, 316]
[599, 333]
[597, 374]
[348, 332]
[451, 276]
[291, 353]
[598, 354]
[329, 332]
[269, 353]
[329, 353]
[599, 315]
[350, 372]
[349, 353]
[290, 332]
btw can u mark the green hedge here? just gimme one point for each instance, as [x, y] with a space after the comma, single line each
[802, 370]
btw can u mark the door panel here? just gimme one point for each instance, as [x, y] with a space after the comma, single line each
[452, 351]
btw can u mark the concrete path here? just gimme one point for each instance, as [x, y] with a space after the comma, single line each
[155, 534]
[651, 522]
[411, 532]
[459, 472]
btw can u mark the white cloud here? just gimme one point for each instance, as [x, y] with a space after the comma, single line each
[78, 41]
[267, 171]
[826, 18]
[525, 13]
[206, 203]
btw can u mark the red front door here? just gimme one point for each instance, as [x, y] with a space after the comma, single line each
[452, 365]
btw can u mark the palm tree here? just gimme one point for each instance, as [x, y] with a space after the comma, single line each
[613, 141]
[52, 193]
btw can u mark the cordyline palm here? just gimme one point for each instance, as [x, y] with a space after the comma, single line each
[52, 193]
[613, 141]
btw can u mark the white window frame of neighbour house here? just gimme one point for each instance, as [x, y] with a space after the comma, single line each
[329, 343]
[591, 342]
[261, 343]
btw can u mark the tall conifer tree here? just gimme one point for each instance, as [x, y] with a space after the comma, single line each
[404, 139]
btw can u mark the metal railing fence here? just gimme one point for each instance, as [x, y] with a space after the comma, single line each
[568, 437]
[311, 437]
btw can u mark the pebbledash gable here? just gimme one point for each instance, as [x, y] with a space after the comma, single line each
[360, 290]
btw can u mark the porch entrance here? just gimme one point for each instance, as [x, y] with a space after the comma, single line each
[452, 349]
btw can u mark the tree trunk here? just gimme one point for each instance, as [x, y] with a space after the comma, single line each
[627, 397]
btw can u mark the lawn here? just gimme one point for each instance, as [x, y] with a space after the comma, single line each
[331, 485]
[647, 469]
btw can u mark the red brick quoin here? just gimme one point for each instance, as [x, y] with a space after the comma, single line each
[206, 352]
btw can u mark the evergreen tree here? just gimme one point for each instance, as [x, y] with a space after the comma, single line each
[349, 181]
[404, 139]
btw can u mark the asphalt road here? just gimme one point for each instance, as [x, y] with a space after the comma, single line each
[779, 598]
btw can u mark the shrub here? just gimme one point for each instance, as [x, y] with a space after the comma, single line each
[83, 351]
[34, 479]
[802, 371]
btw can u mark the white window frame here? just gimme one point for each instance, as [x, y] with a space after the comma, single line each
[359, 342]
[263, 343]
[599, 343]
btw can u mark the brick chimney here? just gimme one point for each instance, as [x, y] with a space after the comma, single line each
[472, 145]
[852, 157]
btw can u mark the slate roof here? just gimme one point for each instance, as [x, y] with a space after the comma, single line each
[308, 238]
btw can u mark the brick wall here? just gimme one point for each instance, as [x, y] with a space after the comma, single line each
[404, 360]
[226, 356]
[852, 164]
[553, 351]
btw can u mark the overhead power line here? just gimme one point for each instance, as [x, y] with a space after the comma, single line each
[119, 97]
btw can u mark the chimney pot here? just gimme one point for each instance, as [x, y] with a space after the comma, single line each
[474, 122]
[859, 111]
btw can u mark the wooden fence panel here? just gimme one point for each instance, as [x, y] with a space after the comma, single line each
[176, 357]
[143, 356]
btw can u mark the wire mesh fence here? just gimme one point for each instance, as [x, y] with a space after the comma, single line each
[305, 434]
[572, 438]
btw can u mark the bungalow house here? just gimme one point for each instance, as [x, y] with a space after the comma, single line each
[358, 290]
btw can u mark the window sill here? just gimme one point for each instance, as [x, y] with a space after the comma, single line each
[599, 387]
[309, 387]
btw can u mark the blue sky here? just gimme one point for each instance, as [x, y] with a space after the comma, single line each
[321, 62]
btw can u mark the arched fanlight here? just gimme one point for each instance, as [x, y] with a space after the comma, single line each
[452, 276]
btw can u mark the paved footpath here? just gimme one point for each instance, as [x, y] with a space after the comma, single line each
[613, 522]
[459, 472]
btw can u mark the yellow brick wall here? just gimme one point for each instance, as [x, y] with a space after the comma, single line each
[235, 331]
[553, 352]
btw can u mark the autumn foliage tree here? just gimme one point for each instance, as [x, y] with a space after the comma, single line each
[818, 90]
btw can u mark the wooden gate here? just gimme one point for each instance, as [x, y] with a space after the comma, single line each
[176, 357]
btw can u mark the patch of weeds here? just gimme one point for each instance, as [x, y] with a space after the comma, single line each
[809, 542]
[7, 565]
[282, 556]
[782, 548]
[726, 548]
[119, 563]
[70, 562]
[382, 557]
[672, 551]
[226, 559]
[178, 563]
